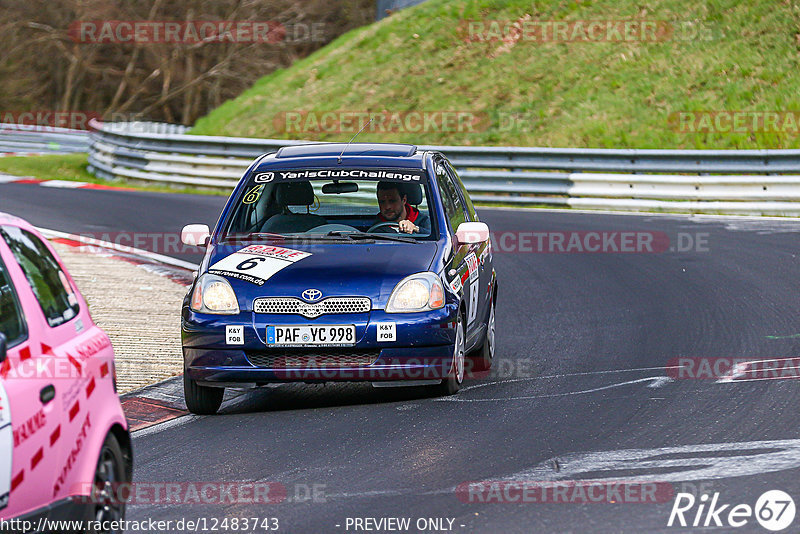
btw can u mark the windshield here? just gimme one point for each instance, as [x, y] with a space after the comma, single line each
[311, 203]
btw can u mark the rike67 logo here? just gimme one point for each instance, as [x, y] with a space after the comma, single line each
[774, 511]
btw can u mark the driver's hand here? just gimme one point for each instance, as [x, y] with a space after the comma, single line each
[408, 227]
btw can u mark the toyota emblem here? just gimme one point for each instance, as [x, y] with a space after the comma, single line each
[312, 295]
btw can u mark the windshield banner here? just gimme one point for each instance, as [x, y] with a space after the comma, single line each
[403, 175]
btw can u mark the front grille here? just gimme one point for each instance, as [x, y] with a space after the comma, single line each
[294, 306]
[314, 358]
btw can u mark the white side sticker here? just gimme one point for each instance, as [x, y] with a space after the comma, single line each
[6, 448]
[257, 263]
[234, 334]
[487, 251]
[455, 284]
[387, 331]
[472, 266]
[473, 302]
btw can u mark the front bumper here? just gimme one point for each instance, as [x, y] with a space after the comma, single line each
[422, 350]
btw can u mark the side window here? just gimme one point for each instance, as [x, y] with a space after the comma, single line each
[48, 281]
[453, 205]
[473, 216]
[12, 322]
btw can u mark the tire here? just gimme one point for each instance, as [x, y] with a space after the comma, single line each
[109, 474]
[455, 377]
[201, 400]
[483, 357]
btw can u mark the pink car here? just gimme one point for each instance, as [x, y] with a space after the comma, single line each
[63, 435]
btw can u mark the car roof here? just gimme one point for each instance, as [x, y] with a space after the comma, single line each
[324, 155]
[353, 149]
[13, 220]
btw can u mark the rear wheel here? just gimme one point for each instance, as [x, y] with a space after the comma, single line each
[109, 474]
[482, 359]
[455, 377]
[201, 400]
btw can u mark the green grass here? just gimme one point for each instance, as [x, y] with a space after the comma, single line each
[610, 94]
[72, 167]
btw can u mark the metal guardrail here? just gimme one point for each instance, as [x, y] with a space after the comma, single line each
[384, 7]
[17, 138]
[702, 181]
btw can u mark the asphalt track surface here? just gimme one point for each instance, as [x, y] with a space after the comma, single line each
[583, 346]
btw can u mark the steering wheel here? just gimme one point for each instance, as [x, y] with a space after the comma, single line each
[388, 224]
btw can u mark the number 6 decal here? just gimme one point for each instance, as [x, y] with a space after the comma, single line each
[249, 263]
[473, 302]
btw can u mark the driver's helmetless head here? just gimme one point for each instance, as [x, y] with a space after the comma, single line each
[391, 203]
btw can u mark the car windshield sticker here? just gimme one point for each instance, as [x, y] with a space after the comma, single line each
[403, 175]
[6, 448]
[253, 195]
[234, 334]
[472, 265]
[455, 285]
[386, 331]
[257, 263]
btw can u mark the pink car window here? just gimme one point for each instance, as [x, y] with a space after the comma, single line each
[12, 322]
[44, 274]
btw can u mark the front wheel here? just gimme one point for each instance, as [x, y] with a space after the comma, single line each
[455, 376]
[201, 400]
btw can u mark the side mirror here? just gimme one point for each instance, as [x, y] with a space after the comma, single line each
[3, 347]
[195, 234]
[470, 233]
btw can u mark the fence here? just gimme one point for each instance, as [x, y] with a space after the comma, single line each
[21, 139]
[747, 182]
[384, 7]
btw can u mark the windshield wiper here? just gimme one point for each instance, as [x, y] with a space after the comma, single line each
[282, 237]
[364, 235]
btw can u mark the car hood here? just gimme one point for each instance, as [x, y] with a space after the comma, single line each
[348, 269]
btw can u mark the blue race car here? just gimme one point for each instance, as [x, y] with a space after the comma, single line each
[333, 262]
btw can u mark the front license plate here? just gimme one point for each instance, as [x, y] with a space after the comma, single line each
[340, 335]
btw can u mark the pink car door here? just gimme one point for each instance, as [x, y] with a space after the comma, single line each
[30, 411]
[35, 379]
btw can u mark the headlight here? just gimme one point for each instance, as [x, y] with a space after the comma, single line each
[213, 294]
[416, 293]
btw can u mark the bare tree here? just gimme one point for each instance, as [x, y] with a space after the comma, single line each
[45, 65]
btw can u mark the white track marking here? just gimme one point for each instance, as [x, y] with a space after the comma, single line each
[65, 184]
[687, 462]
[166, 425]
[737, 380]
[120, 248]
[661, 380]
[9, 179]
[566, 375]
[744, 368]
